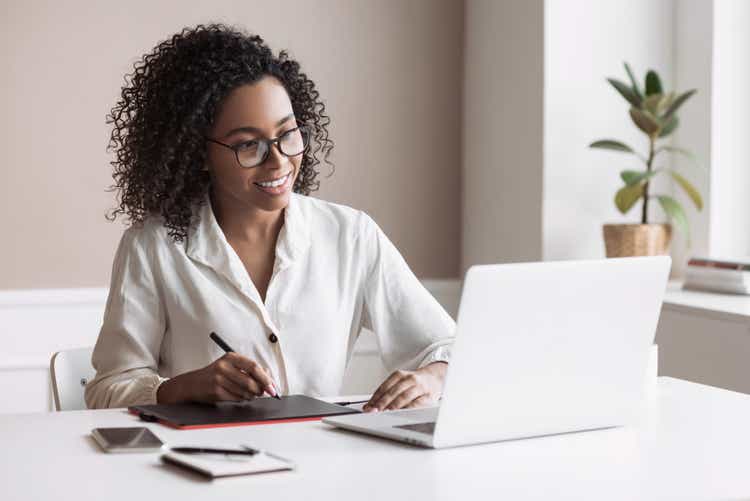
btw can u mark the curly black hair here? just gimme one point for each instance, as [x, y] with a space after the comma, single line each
[167, 107]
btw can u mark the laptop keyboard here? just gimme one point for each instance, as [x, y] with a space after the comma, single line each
[428, 428]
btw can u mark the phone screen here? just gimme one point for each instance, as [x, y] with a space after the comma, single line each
[126, 438]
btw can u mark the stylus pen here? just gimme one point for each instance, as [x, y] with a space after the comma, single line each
[224, 346]
[208, 450]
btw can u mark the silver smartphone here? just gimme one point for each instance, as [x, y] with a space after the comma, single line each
[133, 439]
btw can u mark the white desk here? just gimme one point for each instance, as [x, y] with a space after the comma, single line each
[693, 443]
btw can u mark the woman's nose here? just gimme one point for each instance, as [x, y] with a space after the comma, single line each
[275, 158]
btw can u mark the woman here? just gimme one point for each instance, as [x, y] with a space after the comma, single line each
[217, 141]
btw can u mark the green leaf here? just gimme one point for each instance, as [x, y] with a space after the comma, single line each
[633, 82]
[611, 144]
[625, 91]
[632, 177]
[682, 151]
[670, 126]
[626, 197]
[652, 102]
[653, 83]
[644, 120]
[689, 189]
[677, 103]
[665, 103]
[674, 211]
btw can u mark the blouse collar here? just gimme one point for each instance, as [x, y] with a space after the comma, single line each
[207, 244]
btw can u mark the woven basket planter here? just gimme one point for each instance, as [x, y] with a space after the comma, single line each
[624, 240]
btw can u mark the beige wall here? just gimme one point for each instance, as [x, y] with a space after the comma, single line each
[503, 132]
[389, 71]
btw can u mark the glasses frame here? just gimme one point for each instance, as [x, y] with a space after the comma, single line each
[303, 128]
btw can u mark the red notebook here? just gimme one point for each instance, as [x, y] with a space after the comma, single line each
[257, 411]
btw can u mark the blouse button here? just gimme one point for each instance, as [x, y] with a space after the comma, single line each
[273, 338]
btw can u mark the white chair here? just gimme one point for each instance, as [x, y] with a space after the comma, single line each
[70, 370]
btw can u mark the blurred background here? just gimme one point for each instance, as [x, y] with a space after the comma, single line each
[461, 126]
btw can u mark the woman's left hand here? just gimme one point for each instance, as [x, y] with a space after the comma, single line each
[409, 389]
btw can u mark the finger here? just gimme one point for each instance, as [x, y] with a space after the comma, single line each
[405, 397]
[420, 401]
[233, 388]
[242, 379]
[394, 391]
[273, 385]
[222, 395]
[376, 401]
[223, 389]
[385, 386]
[253, 369]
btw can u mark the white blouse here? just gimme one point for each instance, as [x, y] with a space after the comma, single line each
[335, 272]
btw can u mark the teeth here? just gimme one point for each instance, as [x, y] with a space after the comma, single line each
[274, 184]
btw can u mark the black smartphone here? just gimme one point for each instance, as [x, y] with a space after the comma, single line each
[132, 439]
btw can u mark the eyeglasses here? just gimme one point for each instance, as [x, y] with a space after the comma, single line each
[254, 152]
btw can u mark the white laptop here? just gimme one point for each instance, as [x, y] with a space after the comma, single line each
[540, 349]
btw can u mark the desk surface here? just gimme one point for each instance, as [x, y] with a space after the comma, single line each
[692, 443]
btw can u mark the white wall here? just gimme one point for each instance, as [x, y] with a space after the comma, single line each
[730, 131]
[702, 44]
[535, 96]
[712, 43]
[42, 322]
[585, 42]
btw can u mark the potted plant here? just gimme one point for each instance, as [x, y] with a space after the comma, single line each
[654, 112]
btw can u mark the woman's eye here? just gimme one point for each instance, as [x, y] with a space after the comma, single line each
[247, 145]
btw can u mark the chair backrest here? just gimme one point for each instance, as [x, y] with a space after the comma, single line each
[70, 370]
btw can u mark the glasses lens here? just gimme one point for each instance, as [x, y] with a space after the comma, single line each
[293, 142]
[252, 153]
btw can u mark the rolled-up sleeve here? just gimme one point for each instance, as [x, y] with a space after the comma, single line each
[126, 354]
[412, 328]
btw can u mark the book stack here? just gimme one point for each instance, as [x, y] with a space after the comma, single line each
[718, 275]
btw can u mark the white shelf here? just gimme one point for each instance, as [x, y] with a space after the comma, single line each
[733, 307]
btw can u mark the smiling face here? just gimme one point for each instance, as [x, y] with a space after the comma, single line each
[250, 112]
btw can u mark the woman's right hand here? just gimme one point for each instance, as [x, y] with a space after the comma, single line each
[231, 377]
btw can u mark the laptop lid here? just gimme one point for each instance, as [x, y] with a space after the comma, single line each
[552, 347]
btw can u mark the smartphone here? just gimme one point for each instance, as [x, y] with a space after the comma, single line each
[133, 439]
